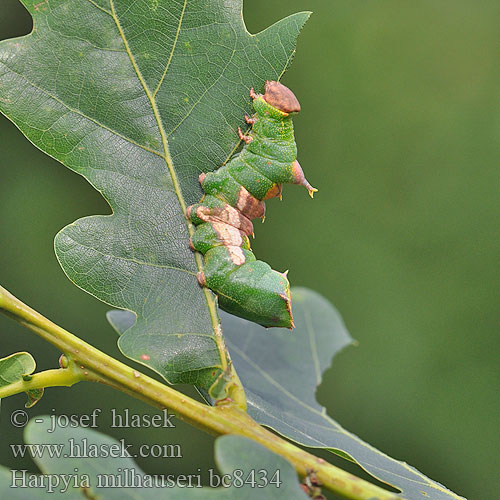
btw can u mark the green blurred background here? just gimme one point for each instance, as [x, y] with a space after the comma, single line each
[400, 130]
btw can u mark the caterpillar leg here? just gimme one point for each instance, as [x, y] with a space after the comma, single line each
[201, 279]
[250, 121]
[245, 138]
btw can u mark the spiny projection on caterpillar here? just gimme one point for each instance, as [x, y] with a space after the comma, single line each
[234, 196]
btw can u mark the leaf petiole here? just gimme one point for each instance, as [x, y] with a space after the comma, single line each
[60, 377]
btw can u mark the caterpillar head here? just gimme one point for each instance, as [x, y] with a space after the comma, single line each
[281, 97]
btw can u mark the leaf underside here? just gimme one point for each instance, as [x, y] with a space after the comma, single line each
[280, 372]
[140, 98]
[283, 398]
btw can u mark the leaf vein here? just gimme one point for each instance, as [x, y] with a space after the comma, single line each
[172, 51]
[130, 259]
[270, 379]
[313, 344]
[95, 4]
[282, 422]
[175, 181]
[80, 113]
[204, 93]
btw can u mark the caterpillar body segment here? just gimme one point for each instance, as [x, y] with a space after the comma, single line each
[234, 196]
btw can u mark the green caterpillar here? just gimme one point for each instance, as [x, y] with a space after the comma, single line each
[234, 195]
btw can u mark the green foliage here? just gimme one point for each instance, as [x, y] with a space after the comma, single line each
[18, 367]
[140, 109]
[14, 367]
[231, 453]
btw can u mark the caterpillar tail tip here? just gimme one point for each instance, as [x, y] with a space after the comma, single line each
[311, 191]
